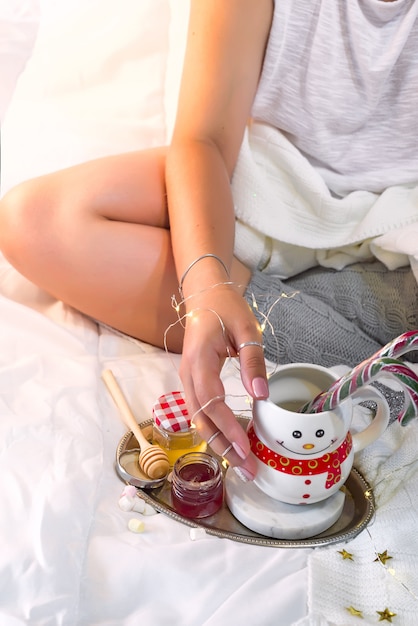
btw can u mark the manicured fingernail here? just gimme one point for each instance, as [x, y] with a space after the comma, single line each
[260, 387]
[243, 474]
[239, 450]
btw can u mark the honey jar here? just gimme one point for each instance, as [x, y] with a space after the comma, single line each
[172, 427]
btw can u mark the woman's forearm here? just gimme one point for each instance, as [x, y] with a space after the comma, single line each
[225, 48]
[201, 212]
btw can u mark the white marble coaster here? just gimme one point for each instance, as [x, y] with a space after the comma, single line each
[266, 516]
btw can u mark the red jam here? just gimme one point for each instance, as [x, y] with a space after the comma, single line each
[197, 487]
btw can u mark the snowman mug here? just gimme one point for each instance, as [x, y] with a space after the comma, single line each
[304, 458]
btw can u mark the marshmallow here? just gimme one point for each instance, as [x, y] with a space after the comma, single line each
[136, 525]
[130, 491]
[130, 501]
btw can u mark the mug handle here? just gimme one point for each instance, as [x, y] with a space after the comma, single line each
[380, 421]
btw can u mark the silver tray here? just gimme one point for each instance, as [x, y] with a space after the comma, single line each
[357, 512]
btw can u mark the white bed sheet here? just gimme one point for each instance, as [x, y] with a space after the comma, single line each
[67, 556]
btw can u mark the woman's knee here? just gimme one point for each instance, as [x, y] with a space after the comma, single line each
[22, 222]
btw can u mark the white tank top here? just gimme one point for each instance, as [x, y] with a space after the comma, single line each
[340, 80]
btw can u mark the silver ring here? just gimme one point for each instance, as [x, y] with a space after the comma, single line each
[228, 449]
[250, 343]
[212, 437]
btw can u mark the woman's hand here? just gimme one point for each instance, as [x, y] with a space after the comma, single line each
[219, 321]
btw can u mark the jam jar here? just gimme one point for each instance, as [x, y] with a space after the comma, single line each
[197, 485]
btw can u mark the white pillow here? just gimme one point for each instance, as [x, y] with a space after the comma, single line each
[96, 84]
[18, 26]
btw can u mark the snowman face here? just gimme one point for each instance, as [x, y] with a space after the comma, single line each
[309, 434]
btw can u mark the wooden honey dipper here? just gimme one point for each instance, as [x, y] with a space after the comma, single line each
[152, 459]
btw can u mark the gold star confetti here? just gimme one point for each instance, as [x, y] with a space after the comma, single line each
[346, 555]
[386, 615]
[383, 557]
[355, 612]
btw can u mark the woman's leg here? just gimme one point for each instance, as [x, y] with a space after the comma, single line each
[97, 237]
[330, 317]
[382, 303]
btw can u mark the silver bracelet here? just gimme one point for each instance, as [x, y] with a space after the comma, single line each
[187, 270]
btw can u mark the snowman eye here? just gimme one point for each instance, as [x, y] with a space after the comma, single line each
[297, 434]
[320, 433]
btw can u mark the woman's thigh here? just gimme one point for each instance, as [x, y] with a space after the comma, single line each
[127, 187]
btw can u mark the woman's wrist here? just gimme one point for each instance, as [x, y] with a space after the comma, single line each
[202, 257]
[202, 274]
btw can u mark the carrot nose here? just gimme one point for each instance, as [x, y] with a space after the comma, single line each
[308, 446]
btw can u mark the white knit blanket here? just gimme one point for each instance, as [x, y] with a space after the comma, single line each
[335, 584]
[278, 194]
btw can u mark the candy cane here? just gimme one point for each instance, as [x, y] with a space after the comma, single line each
[400, 345]
[367, 371]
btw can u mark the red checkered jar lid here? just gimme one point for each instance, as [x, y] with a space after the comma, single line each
[170, 412]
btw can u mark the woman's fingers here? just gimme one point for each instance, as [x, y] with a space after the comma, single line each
[253, 369]
[232, 451]
[210, 414]
[215, 421]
